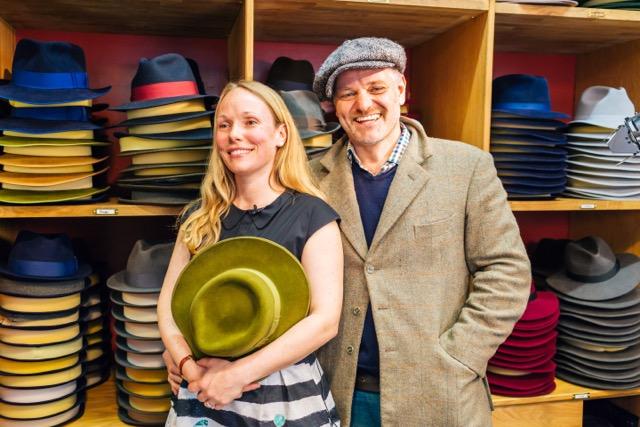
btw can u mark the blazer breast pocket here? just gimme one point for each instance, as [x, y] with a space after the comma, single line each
[436, 228]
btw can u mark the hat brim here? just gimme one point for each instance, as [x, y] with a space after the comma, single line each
[570, 338]
[197, 177]
[186, 187]
[522, 364]
[581, 326]
[121, 343]
[267, 257]
[527, 149]
[632, 374]
[24, 197]
[188, 135]
[629, 299]
[119, 327]
[164, 119]
[121, 387]
[35, 126]
[520, 383]
[538, 391]
[121, 374]
[582, 380]
[116, 298]
[156, 418]
[622, 283]
[118, 282]
[159, 199]
[40, 289]
[30, 95]
[135, 105]
[123, 402]
[557, 137]
[121, 360]
[117, 311]
[329, 127]
[84, 270]
[599, 337]
[61, 418]
[589, 363]
[607, 322]
[533, 114]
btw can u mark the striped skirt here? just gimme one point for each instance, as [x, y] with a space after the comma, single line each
[297, 396]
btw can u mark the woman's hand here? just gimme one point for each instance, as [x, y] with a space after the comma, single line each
[221, 384]
[173, 377]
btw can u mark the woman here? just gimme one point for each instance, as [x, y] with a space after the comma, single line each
[258, 184]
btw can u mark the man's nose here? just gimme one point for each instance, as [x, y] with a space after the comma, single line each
[363, 102]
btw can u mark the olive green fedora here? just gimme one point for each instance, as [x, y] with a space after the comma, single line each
[239, 295]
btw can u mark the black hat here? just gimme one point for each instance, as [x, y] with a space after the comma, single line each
[290, 74]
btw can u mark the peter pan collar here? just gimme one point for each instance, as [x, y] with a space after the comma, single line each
[260, 217]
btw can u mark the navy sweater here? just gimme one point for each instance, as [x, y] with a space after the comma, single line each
[371, 192]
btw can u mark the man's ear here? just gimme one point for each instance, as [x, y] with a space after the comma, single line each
[402, 87]
[281, 135]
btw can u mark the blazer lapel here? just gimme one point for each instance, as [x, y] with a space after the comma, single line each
[409, 180]
[338, 186]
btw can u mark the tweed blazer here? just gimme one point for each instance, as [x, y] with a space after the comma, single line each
[447, 277]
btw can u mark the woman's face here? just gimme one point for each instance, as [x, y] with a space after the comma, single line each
[246, 135]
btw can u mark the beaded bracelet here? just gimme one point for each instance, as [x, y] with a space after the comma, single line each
[182, 362]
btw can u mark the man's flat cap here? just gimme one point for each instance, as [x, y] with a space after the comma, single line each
[362, 53]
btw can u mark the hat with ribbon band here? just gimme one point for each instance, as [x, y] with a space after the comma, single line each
[162, 80]
[49, 73]
[239, 295]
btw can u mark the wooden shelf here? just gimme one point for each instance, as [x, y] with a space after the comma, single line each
[110, 209]
[563, 204]
[559, 29]
[409, 22]
[195, 18]
[101, 409]
[565, 392]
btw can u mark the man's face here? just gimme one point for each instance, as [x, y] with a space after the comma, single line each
[368, 104]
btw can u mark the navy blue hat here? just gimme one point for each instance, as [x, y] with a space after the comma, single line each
[530, 165]
[200, 134]
[556, 137]
[523, 95]
[47, 120]
[526, 149]
[49, 73]
[46, 257]
[290, 74]
[162, 80]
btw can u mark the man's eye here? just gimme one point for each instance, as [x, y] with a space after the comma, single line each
[378, 89]
[345, 95]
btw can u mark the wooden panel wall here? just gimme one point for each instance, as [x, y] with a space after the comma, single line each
[452, 81]
[240, 44]
[7, 46]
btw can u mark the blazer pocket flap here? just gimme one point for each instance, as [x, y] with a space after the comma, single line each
[436, 227]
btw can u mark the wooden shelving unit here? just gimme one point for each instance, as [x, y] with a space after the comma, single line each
[451, 47]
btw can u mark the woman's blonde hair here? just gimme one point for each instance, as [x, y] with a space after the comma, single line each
[217, 192]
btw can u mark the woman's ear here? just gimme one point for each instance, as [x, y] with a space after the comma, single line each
[281, 135]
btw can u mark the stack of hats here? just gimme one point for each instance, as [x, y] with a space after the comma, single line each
[527, 139]
[169, 135]
[611, 4]
[42, 346]
[48, 139]
[93, 317]
[543, 2]
[594, 171]
[141, 376]
[294, 81]
[523, 364]
[599, 327]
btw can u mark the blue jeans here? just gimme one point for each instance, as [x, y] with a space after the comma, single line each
[365, 409]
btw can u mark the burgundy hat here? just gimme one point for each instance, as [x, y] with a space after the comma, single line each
[510, 360]
[530, 342]
[518, 371]
[523, 363]
[546, 348]
[522, 383]
[538, 324]
[538, 391]
[542, 305]
[533, 333]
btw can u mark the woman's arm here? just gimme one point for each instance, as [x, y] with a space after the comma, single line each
[323, 263]
[172, 338]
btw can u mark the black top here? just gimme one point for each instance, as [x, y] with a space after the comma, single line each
[289, 220]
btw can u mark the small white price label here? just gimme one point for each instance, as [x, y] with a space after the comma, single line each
[588, 206]
[106, 211]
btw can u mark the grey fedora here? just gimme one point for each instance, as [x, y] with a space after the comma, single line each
[146, 267]
[599, 337]
[629, 354]
[307, 113]
[148, 299]
[593, 272]
[358, 54]
[35, 289]
[581, 326]
[607, 345]
[622, 376]
[574, 378]
[625, 301]
[607, 322]
[628, 367]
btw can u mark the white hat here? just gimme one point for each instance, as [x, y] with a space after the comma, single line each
[604, 106]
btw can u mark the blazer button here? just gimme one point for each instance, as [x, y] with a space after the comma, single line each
[370, 269]
[356, 311]
[349, 349]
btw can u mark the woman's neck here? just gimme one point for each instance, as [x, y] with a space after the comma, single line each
[255, 193]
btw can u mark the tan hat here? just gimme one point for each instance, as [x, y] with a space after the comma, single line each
[25, 197]
[186, 155]
[44, 352]
[31, 367]
[38, 410]
[145, 390]
[38, 395]
[39, 305]
[42, 380]
[64, 319]
[37, 162]
[152, 376]
[39, 336]
[134, 143]
[183, 125]
[31, 180]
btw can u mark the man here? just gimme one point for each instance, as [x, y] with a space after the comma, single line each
[436, 274]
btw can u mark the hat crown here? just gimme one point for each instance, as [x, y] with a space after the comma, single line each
[305, 109]
[290, 74]
[48, 57]
[521, 90]
[170, 67]
[604, 101]
[147, 264]
[46, 255]
[589, 257]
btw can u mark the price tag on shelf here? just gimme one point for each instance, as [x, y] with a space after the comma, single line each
[588, 206]
[105, 211]
[581, 396]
